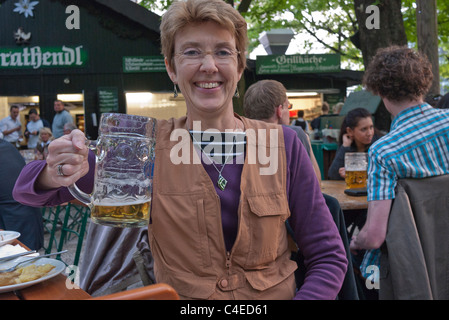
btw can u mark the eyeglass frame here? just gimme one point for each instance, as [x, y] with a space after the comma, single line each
[289, 106]
[202, 54]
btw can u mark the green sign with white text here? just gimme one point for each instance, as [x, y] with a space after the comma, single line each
[108, 99]
[303, 63]
[143, 64]
[42, 57]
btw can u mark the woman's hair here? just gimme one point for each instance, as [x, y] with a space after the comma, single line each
[398, 74]
[262, 98]
[45, 130]
[352, 120]
[190, 12]
[443, 103]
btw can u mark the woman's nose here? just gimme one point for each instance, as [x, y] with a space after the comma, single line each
[208, 64]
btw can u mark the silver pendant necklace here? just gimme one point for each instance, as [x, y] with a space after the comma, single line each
[221, 182]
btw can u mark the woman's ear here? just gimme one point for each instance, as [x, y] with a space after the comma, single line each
[170, 71]
[349, 131]
[240, 74]
[279, 111]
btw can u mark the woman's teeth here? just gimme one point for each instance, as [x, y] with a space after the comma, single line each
[208, 85]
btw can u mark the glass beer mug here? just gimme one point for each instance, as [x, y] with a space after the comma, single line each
[123, 171]
[356, 165]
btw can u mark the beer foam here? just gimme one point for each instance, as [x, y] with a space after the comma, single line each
[119, 202]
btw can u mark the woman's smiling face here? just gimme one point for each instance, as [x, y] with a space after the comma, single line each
[205, 67]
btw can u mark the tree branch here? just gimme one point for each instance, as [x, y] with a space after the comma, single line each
[244, 6]
[329, 46]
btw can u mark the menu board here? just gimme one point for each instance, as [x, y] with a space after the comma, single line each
[143, 64]
[108, 99]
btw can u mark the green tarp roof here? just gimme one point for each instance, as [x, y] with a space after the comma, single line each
[361, 99]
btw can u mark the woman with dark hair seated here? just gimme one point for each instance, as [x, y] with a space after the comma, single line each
[356, 135]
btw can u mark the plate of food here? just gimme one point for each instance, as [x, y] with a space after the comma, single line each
[30, 274]
[8, 236]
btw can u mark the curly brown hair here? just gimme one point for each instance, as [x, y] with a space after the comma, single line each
[398, 74]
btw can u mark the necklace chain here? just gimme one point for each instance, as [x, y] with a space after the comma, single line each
[221, 182]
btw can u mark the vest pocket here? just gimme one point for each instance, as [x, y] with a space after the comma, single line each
[266, 224]
[204, 239]
[264, 280]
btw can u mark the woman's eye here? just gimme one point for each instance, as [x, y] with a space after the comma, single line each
[223, 53]
[191, 53]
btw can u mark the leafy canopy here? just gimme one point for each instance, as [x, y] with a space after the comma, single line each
[323, 26]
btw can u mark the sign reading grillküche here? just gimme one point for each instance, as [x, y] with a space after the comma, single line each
[42, 57]
[304, 63]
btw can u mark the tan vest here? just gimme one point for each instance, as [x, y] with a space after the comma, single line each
[186, 234]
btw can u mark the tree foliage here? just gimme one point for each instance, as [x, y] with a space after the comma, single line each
[327, 26]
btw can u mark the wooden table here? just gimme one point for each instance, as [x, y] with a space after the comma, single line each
[51, 289]
[336, 188]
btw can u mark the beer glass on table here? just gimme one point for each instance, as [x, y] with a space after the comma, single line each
[356, 165]
[123, 171]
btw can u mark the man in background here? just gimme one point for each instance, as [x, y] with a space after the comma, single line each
[69, 127]
[61, 117]
[316, 123]
[267, 100]
[32, 128]
[11, 126]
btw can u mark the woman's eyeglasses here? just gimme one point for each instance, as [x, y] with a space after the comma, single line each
[197, 55]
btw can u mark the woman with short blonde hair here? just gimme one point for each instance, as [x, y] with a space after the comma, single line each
[45, 137]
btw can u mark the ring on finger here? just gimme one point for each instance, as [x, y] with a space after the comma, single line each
[59, 170]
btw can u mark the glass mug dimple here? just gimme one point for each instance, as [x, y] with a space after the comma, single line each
[123, 171]
[356, 165]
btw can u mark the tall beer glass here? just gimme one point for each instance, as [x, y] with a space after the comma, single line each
[356, 165]
[123, 171]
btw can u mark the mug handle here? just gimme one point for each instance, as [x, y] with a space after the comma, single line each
[80, 195]
[73, 188]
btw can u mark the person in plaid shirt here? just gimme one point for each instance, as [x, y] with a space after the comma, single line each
[417, 145]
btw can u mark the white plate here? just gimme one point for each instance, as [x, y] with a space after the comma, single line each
[59, 267]
[8, 236]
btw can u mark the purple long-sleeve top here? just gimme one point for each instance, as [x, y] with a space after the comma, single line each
[315, 231]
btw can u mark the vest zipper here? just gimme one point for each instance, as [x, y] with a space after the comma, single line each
[227, 253]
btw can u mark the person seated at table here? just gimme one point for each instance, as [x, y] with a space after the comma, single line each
[356, 135]
[416, 146]
[14, 216]
[267, 100]
[217, 227]
[45, 138]
[69, 127]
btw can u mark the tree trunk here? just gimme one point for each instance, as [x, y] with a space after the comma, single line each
[427, 30]
[380, 28]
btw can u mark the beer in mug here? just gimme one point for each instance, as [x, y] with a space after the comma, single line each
[122, 215]
[356, 165]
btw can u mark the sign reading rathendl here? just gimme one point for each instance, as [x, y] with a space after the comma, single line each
[303, 63]
[42, 57]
